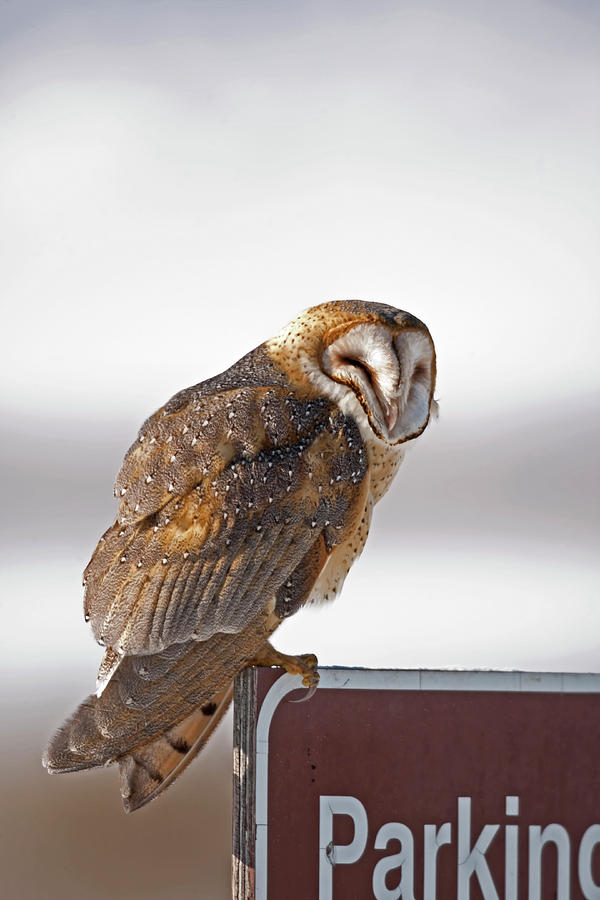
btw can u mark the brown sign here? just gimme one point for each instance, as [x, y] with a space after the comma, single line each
[419, 785]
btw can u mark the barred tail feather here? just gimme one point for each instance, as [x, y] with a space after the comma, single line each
[149, 769]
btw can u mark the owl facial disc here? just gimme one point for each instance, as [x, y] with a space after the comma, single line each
[391, 375]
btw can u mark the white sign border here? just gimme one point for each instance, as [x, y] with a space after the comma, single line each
[392, 680]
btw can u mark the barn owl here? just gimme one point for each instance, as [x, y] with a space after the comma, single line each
[242, 499]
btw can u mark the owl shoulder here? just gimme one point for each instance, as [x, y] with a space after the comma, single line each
[245, 411]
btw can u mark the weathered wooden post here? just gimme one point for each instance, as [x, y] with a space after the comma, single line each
[244, 784]
[417, 784]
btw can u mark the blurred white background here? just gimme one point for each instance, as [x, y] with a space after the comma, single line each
[178, 180]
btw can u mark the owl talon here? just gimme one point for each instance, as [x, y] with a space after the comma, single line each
[312, 690]
[309, 660]
[304, 664]
[310, 678]
[310, 675]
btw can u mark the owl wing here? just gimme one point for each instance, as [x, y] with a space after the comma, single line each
[221, 501]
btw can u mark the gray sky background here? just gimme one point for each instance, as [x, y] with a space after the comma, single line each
[177, 181]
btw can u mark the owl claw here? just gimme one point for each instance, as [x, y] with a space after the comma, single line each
[304, 664]
[312, 690]
[310, 678]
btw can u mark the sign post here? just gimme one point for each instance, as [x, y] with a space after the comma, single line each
[420, 785]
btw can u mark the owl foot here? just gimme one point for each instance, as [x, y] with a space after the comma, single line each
[304, 664]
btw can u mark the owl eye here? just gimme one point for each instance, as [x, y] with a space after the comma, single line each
[367, 374]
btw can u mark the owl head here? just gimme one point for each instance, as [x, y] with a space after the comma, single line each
[366, 356]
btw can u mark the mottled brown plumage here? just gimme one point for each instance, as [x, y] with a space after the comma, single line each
[242, 499]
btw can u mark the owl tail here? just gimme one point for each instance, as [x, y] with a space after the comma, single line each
[154, 713]
[149, 769]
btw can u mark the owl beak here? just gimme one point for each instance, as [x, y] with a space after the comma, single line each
[391, 412]
[388, 403]
[388, 397]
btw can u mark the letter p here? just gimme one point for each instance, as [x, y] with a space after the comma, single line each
[331, 855]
